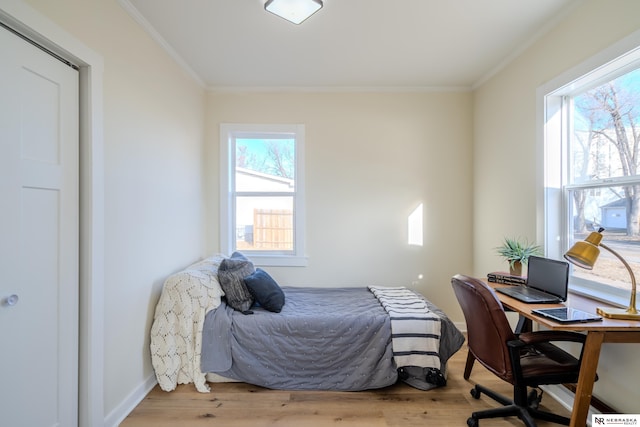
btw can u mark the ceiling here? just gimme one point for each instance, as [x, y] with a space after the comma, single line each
[348, 44]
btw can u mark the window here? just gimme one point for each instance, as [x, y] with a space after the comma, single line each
[591, 135]
[262, 192]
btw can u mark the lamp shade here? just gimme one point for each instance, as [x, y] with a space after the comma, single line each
[295, 11]
[585, 253]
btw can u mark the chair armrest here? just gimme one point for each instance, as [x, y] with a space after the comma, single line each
[527, 338]
[530, 339]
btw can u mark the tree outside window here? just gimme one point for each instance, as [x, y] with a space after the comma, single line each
[603, 184]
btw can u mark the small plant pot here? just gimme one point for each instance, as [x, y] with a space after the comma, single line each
[516, 269]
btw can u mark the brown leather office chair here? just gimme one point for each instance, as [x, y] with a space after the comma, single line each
[524, 360]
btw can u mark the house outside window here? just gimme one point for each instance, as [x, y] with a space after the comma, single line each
[262, 192]
[591, 133]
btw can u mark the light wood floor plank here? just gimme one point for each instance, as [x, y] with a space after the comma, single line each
[244, 405]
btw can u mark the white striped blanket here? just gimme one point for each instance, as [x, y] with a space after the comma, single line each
[415, 330]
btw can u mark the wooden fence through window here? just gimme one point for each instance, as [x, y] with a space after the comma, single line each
[272, 229]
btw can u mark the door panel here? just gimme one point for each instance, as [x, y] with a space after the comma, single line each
[38, 237]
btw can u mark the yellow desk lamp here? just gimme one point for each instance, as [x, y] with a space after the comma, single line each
[584, 254]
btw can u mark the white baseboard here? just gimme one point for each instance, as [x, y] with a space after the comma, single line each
[565, 397]
[115, 417]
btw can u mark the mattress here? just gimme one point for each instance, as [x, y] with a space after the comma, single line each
[323, 339]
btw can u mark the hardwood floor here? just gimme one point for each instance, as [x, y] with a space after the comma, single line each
[243, 405]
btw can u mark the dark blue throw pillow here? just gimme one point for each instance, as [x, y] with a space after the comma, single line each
[265, 290]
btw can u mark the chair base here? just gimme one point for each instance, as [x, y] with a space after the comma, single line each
[527, 411]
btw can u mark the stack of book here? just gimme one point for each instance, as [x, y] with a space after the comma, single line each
[506, 278]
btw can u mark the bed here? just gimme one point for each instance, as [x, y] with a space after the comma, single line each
[322, 338]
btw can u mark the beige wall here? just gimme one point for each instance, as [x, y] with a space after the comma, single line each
[371, 158]
[505, 151]
[153, 141]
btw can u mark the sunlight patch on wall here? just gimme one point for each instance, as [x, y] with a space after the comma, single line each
[415, 226]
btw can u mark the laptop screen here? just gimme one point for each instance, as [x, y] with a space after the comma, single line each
[548, 275]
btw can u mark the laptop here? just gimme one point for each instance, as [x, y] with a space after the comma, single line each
[567, 315]
[547, 282]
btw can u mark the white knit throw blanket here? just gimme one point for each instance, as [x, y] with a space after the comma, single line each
[415, 330]
[176, 333]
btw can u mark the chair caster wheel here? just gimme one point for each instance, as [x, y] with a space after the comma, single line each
[475, 393]
[533, 400]
[472, 422]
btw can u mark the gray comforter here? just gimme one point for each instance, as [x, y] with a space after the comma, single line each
[323, 339]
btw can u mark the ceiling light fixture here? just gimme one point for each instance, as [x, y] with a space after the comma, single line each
[295, 11]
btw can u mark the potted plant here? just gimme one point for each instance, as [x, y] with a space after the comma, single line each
[517, 253]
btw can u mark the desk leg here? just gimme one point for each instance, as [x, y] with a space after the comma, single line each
[524, 325]
[587, 377]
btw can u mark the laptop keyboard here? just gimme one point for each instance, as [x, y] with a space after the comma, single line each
[525, 294]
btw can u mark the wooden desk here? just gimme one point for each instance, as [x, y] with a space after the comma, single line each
[598, 333]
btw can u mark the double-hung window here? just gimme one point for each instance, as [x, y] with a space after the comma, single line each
[262, 192]
[591, 131]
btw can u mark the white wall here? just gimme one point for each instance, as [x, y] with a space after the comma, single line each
[371, 158]
[505, 151]
[153, 142]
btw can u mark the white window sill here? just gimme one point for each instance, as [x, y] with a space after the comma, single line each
[597, 295]
[277, 260]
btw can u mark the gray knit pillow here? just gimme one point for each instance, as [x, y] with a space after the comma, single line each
[231, 274]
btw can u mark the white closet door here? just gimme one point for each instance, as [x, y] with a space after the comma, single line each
[38, 237]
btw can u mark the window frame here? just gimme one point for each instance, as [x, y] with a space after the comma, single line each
[228, 133]
[553, 133]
